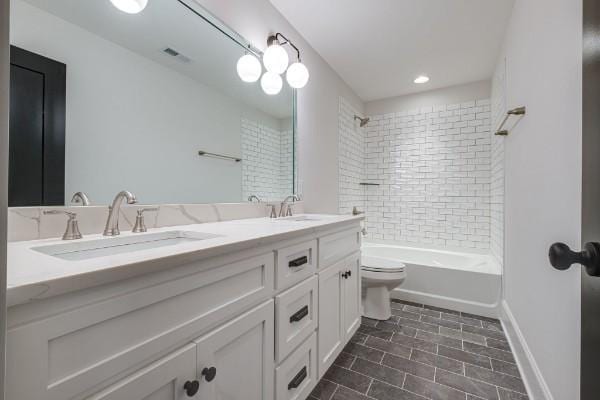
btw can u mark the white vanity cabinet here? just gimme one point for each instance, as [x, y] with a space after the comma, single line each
[339, 308]
[165, 379]
[235, 361]
[258, 323]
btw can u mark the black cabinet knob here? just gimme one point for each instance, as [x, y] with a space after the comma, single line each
[345, 275]
[349, 273]
[562, 257]
[209, 373]
[191, 388]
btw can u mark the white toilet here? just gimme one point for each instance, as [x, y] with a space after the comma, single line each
[379, 277]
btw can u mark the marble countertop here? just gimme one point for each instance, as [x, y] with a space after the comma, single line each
[33, 275]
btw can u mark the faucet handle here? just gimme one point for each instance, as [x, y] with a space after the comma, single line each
[140, 225]
[355, 211]
[273, 211]
[72, 230]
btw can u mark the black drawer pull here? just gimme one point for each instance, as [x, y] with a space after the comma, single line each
[299, 315]
[298, 379]
[298, 262]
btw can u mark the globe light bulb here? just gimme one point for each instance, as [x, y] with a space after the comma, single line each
[271, 83]
[249, 68]
[297, 75]
[276, 59]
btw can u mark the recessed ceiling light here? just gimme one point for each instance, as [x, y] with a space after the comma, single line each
[422, 79]
[130, 6]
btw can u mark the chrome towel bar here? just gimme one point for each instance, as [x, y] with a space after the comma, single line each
[215, 155]
[519, 111]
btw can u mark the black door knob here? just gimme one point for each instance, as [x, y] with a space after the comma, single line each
[562, 257]
[191, 388]
[209, 373]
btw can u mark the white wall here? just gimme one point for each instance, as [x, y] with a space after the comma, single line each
[543, 186]
[134, 124]
[447, 95]
[317, 102]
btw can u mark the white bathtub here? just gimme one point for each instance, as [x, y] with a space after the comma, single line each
[459, 281]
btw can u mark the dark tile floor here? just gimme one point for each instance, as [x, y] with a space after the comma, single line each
[424, 352]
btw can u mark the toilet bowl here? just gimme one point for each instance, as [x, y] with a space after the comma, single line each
[379, 277]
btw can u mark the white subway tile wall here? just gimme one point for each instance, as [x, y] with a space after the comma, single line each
[497, 168]
[433, 167]
[351, 158]
[266, 161]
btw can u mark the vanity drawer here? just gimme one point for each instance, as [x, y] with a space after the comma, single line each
[336, 246]
[297, 376]
[295, 263]
[295, 316]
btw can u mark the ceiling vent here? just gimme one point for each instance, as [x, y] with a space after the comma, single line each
[174, 53]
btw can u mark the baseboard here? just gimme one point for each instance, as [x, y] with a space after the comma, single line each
[486, 310]
[530, 372]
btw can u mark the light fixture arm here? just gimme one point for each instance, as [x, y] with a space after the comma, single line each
[275, 38]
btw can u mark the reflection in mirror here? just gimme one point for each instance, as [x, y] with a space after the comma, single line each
[102, 101]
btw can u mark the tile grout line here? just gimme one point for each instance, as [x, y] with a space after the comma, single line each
[437, 351]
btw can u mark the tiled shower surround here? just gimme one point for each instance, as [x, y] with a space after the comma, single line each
[433, 170]
[266, 161]
[497, 167]
[351, 160]
[424, 353]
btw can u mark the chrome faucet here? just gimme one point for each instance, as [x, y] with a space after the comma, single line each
[81, 197]
[286, 206]
[112, 223]
[254, 197]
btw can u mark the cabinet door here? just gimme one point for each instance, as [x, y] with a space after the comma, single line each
[331, 331]
[236, 360]
[352, 295]
[163, 380]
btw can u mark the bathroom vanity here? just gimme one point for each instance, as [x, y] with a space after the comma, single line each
[253, 309]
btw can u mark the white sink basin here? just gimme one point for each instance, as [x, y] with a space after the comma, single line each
[300, 218]
[84, 250]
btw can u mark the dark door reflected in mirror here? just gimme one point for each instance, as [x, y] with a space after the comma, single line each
[37, 130]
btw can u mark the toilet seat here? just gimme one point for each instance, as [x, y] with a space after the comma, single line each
[383, 269]
[381, 264]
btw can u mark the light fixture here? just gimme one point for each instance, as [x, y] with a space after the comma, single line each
[271, 83]
[276, 62]
[249, 68]
[421, 79]
[130, 6]
[275, 59]
[297, 75]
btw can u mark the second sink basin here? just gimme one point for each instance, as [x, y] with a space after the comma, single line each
[300, 218]
[84, 250]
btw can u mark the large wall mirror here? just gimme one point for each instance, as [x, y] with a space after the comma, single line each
[102, 101]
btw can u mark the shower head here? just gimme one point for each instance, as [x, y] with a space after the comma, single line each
[363, 121]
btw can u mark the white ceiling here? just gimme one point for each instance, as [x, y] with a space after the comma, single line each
[379, 46]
